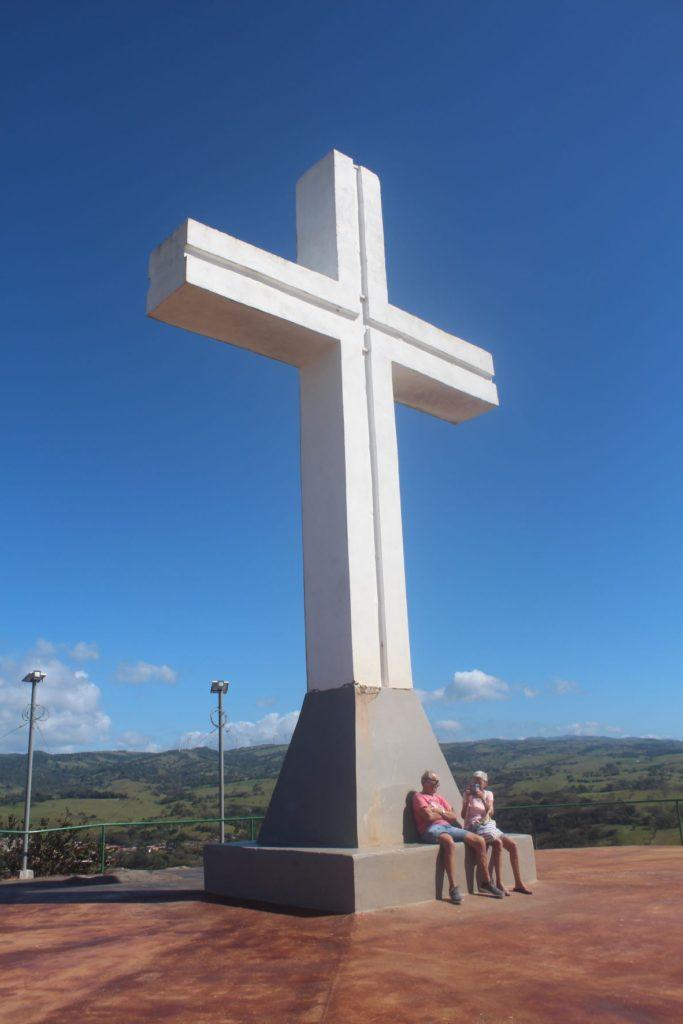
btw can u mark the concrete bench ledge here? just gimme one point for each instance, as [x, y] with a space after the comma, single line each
[343, 880]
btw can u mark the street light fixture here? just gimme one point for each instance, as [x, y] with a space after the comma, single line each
[220, 686]
[33, 678]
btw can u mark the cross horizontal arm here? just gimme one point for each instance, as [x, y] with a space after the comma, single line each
[430, 374]
[432, 371]
[422, 335]
[441, 389]
[213, 284]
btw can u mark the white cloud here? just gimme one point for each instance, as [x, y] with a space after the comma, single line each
[144, 672]
[447, 725]
[266, 702]
[563, 686]
[194, 738]
[83, 651]
[132, 740]
[590, 729]
[272, 728]
[530, 692]
[476, 685]
[45, 648]
[431, 696]
[468, 686]
[74, 719]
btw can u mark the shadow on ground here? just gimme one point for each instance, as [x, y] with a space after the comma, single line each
[186, 885]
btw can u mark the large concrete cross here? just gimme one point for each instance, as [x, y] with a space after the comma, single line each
[338, 833]
[329, 315]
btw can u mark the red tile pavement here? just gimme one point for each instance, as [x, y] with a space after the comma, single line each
[600, 941]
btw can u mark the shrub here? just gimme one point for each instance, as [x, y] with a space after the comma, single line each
[50, 853]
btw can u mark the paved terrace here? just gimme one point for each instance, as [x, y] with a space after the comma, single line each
[600, 941]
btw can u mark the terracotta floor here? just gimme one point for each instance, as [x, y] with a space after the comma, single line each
[601, 941]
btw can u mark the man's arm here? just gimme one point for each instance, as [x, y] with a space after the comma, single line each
[429, 812]
[433, 813]
[420, 811]
[449, 814]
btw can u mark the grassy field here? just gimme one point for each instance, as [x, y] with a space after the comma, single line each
[120, 786]
[579, 771]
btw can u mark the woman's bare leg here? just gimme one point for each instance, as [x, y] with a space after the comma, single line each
[478, 847]
[511, 846]
[496, 858]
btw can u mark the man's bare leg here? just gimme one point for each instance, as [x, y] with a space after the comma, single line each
[511, 846]
[448, 853]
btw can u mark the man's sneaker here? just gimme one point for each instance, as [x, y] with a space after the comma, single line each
[492, 890]
[454, 895]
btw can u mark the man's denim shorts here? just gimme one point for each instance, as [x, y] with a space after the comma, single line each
[434, 831]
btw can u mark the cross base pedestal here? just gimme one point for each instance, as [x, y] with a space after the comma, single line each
[350, 771]
[343, 880]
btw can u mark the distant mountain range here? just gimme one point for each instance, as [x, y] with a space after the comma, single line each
[125, 786]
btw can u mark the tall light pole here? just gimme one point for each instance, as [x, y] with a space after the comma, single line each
[33, 678]
[220, 686]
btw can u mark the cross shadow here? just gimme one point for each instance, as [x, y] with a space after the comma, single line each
[81, 881]
[101, 889]
[108, 889]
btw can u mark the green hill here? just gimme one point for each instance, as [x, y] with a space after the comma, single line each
[580, 770]
[123, 786]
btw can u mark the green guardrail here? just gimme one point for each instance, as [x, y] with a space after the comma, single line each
[585, 804]
[104, 825]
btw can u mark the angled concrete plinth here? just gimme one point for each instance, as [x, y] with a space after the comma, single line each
[341, 880]
[350, 771]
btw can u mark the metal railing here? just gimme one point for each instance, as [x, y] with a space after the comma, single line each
[251, 820]
[594, 804]
[104, 825]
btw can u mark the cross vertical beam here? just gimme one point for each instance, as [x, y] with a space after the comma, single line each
[356, 614]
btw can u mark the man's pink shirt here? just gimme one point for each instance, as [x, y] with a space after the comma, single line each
[421, 800]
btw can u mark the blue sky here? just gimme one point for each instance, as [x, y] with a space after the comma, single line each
[150, 540]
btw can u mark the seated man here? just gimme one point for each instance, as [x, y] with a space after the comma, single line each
[437, 822]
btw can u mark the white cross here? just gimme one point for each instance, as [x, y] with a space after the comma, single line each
[329, 314]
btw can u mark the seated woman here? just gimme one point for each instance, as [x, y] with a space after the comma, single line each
[477, 813]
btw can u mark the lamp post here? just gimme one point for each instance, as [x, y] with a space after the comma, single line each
[33, 678]
[220, 686]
